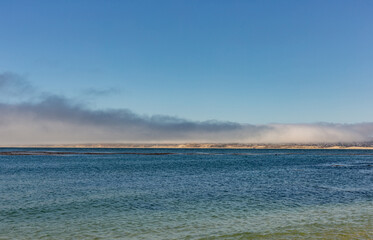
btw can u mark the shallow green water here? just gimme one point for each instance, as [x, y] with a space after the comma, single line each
[190, 194]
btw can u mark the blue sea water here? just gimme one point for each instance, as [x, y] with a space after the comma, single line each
[189, 194]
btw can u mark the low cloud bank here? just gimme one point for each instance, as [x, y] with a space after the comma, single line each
[58, 120]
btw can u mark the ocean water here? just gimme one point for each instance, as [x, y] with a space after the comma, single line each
[189, 194]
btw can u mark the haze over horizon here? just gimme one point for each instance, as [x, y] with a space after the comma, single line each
[185, 71]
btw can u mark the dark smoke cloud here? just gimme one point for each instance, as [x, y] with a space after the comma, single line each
[55, 119]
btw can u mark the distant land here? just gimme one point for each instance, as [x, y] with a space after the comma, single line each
[358, 145]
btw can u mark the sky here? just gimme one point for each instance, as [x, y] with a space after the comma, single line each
[238, 71]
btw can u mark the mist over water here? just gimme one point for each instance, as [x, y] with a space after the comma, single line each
[57, 120]
[29, 116]
[190, 193]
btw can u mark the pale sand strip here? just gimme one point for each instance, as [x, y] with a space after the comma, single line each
[350, 146]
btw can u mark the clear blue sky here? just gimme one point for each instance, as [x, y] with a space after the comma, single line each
[244, 61]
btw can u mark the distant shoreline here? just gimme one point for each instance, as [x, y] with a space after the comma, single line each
[347, 146]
